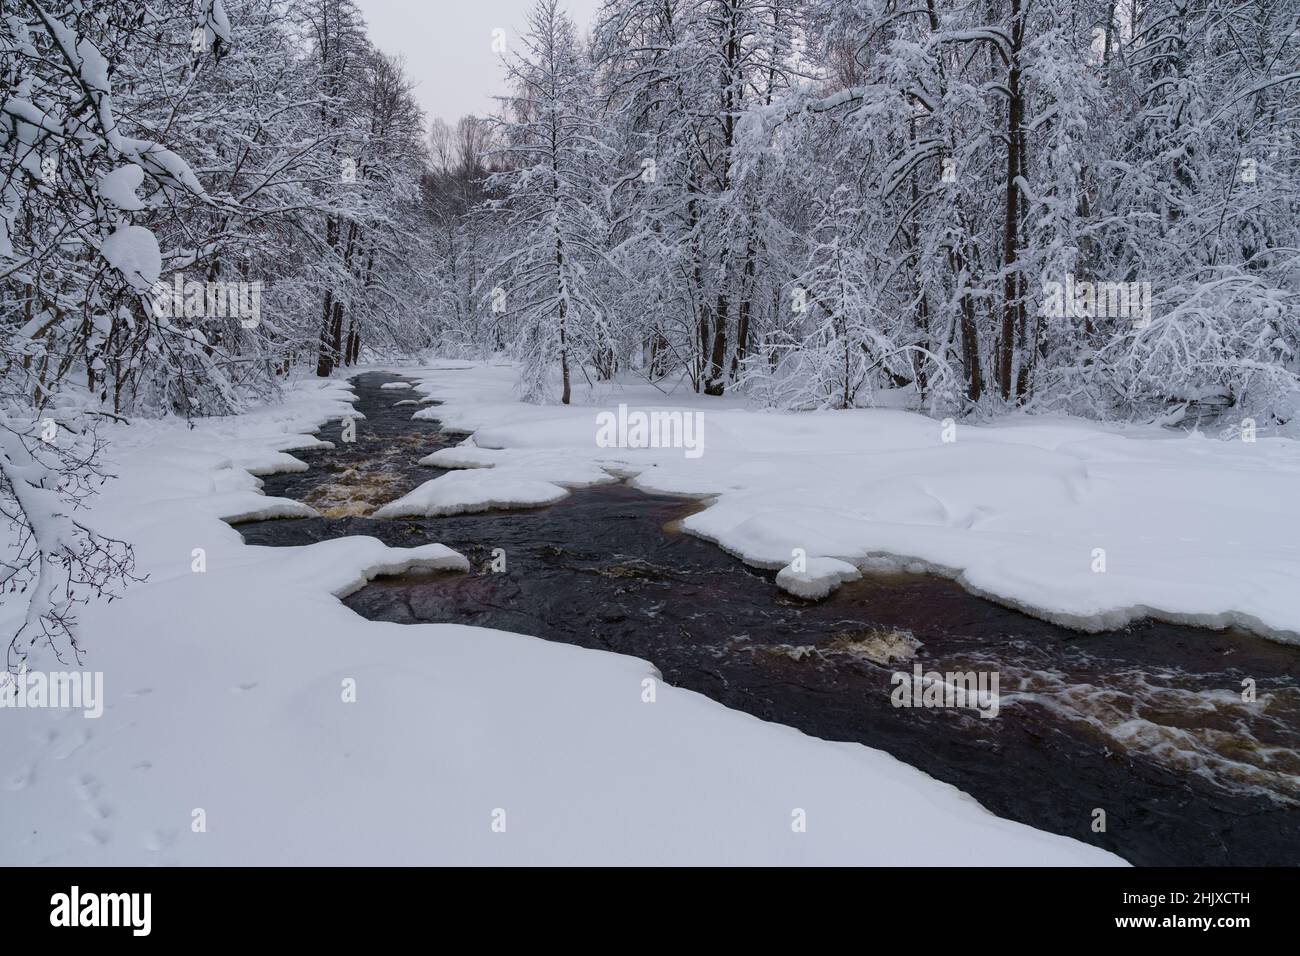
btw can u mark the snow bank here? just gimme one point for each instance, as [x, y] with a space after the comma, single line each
[247, 698]
[1086, 525]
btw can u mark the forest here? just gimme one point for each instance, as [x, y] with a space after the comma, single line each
[963, 208]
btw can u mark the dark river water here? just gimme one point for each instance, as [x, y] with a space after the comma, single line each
[1147, 724]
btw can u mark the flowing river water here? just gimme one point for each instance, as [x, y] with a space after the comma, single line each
[1147, 724]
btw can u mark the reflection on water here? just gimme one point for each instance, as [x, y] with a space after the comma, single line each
[1147, 723]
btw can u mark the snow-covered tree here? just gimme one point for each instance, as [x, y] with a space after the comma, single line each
[548, 274]
[188, 146]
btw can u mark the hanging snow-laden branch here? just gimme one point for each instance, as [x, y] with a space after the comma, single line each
[54, 561]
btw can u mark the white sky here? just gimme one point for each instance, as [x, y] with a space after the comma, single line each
[447, 45]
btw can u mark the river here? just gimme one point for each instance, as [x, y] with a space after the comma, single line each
[1146, 724]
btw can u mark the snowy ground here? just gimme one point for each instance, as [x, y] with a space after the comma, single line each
[225, 689]
[1089, 526]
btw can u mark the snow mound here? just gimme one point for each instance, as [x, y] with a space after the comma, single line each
[463, 456]
[819, 577]
[119, 186]
[133, 251]
[460, 492]
[244, 506]
[274, 463]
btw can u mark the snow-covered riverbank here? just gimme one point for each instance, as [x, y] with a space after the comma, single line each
[1085, 525]
[248, 698]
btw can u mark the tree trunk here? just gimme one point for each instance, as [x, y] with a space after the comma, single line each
[746, 305]
[716, 383]
[336, 333]
[325, 358]
[970, 349]
[1013, 280]
[564, 357]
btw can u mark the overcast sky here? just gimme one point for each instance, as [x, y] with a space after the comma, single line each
[447, 45]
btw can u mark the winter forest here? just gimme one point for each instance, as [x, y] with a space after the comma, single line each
[1079, 205]
[806, 201]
